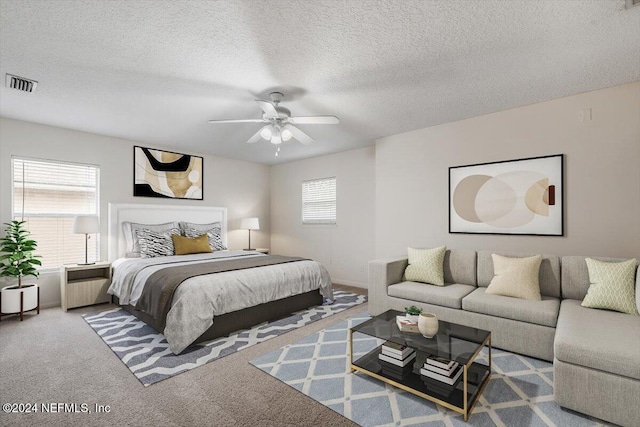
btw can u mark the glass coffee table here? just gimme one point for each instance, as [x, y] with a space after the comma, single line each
[453, 342]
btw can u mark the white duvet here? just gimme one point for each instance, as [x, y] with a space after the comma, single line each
[199, 299]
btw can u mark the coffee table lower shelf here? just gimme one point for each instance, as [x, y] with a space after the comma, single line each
[477, 377]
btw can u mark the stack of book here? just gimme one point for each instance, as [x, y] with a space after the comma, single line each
[441, 375]
[395, 360]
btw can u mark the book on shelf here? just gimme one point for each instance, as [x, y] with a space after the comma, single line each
[406, 325]
[440, 362]
[443, 378]
[399, 351]
[397, 362]
[395, 372]
[438, 387]
[441, 371]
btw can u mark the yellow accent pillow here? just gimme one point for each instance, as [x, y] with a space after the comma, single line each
[186, 245]
[516, 277]
[426, 265]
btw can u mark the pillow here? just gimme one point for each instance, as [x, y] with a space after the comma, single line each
[611, 286]
[214, 235]
[188, 245]
[426, 265]
[154, 244]
[516, 277]
[129, 230]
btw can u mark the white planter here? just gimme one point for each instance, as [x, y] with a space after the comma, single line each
[10, 296]
[428, 325]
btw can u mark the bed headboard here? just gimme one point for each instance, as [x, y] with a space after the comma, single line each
[157, 214]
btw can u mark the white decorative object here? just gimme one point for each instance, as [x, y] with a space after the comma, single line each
[412, 317]
[11, 298]
[428, 324]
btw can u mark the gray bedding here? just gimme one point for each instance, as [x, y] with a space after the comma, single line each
[199, 299]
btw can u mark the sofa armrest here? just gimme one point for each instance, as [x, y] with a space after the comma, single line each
[382, 273]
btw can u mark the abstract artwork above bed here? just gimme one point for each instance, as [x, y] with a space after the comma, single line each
[165, 174]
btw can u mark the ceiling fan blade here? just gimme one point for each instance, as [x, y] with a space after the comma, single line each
[268, 108]
[314, 120]
[256, 137]
[239, 121]
[300, 136]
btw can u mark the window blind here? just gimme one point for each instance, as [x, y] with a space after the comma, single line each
[51, 194]
[319, 201]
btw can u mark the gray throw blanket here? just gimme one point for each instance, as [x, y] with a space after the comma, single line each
[158, 292]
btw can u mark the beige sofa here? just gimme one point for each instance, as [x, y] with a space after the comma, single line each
[596, 353]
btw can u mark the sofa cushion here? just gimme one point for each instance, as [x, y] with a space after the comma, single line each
[516, 277]
[549, 277]
[449, 295]
[598, 339]
[575, 275]
[543, 312]
[612, 286]
[460, 267]
[426, 265]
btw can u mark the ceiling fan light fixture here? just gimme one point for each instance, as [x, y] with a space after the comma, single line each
[286, 134]
[265, 133]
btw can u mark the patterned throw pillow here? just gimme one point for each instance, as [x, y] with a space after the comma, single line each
[426, 265]
[154, 244]
[214, 235]
[612, 286]
[516, 277]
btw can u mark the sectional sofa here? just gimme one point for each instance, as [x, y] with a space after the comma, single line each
[596, 353]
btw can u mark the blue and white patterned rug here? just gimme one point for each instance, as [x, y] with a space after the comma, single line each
[520, 392]
[146, 352]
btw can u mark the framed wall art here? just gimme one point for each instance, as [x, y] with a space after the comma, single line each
[165, 174]
[523, 196]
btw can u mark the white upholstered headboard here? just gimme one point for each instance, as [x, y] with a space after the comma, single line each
[157, 214]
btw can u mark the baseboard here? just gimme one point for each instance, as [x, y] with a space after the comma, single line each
[350, 283]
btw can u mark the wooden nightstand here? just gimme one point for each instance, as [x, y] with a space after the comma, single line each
[82, 285]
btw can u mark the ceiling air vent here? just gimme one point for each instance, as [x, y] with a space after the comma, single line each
[20, 83]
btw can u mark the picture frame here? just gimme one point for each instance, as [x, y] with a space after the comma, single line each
[509, 197]
[166, 174]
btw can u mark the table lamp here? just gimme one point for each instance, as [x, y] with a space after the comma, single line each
[86, 224]
[250, 224]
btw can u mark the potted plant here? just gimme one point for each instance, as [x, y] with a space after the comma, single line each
[412, 313]
[18, 260]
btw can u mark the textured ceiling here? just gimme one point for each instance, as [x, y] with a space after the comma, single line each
[156, 71]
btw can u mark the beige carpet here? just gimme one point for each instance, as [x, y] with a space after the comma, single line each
[56, 357]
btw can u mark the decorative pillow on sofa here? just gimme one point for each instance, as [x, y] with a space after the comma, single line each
[187, 245]
[612, 286]
[154, 244]
[426, 265]
[516, 277]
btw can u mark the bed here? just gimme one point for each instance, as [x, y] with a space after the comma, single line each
[205, 295]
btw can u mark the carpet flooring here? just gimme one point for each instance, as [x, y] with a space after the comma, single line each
[146, 352]
[520, 392]
[57, 357]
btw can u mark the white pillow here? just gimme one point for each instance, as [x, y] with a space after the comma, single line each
[133, 245]
[154, 244]
[516, 277]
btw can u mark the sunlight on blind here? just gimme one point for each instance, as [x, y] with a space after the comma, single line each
[319, 201]
[54, 193]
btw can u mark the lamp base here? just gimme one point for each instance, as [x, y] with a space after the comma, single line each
[86, 263]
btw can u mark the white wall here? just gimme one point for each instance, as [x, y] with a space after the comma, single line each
[242, 187]
[346, 248]
[602, 175]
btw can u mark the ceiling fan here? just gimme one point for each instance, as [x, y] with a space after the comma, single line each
[280, 124]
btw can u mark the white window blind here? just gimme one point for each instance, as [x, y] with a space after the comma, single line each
[319, 201]
[51, 194]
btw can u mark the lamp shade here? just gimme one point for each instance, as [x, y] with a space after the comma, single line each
[250, 224]
[86, 224]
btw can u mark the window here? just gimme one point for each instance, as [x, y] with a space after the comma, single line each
[52, 194]
[319, 201]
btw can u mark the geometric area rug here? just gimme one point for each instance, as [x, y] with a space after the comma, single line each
[520, 392]
[146, 352]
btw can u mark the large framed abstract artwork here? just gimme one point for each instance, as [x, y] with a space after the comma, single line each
[523, 196]
[159, 173]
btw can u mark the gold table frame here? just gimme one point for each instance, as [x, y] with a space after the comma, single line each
[467, 406]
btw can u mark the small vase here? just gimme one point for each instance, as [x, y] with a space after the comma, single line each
[428, 325]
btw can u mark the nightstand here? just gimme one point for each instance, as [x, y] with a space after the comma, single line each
[263, 250]
[82, 285]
